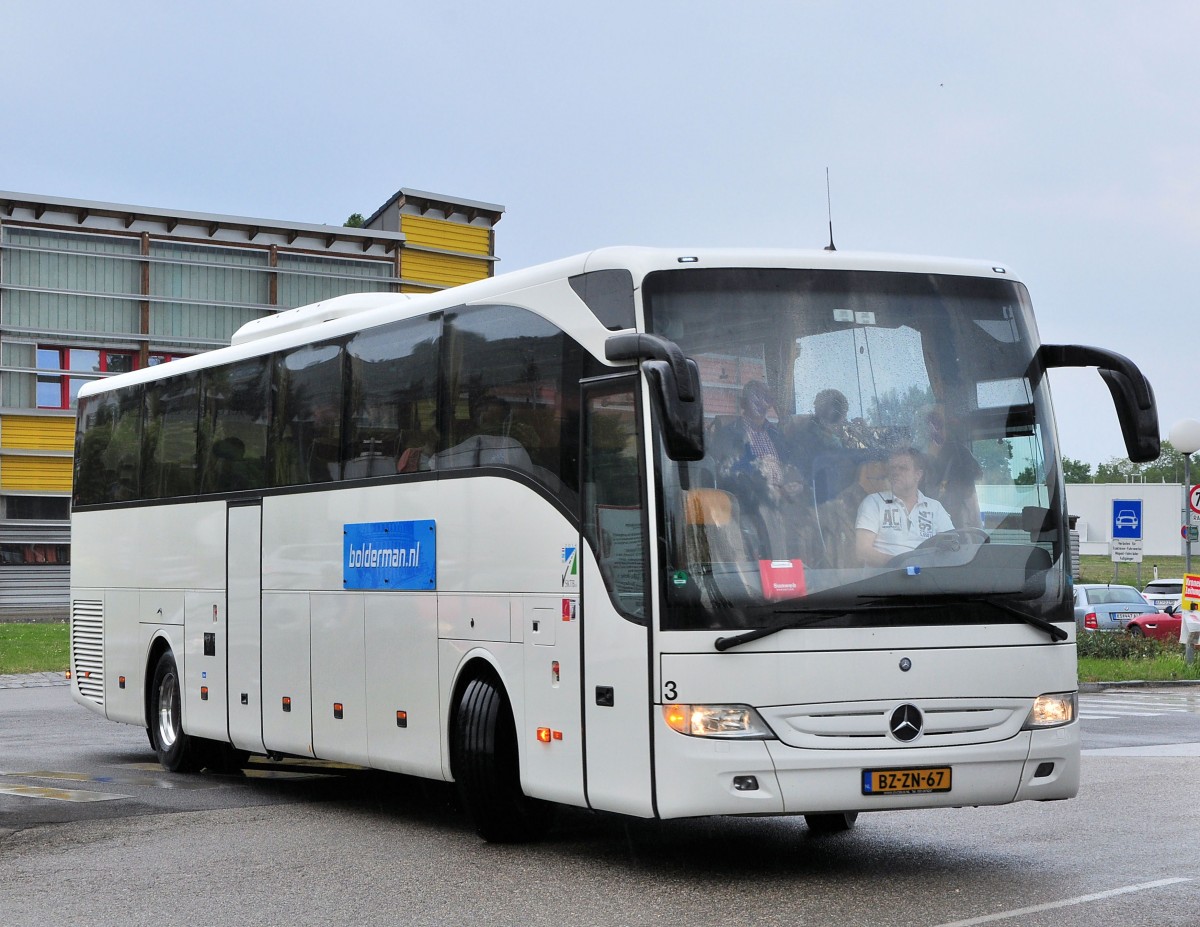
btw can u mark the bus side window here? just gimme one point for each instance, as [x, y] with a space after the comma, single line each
[307, 421]
[505, 379]
[172, 411]
[109, 448]
[614, 514]
[391, 418]
[233, 426]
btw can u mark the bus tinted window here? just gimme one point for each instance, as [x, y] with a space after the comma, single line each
[308, 415]
[614, 515]
[507, 405]
[172, 411]
[392, 420]
[234, 426]
[108, 447]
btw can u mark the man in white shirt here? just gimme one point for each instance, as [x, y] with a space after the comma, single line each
[891, 523]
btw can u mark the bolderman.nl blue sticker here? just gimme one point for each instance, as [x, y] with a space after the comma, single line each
[390, 555]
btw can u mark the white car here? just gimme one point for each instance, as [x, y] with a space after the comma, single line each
[1163, 592]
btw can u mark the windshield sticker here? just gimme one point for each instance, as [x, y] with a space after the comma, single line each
[390, 555]
[781, 579]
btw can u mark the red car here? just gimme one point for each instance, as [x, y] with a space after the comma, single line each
[1162, 625]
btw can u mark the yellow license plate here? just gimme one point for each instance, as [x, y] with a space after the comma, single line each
[906, 781]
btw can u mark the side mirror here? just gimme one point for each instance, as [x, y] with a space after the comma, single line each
[675, 389]
[1131, 392]
[1036, 520]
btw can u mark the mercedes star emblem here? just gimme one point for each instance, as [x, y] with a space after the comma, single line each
[905, 723]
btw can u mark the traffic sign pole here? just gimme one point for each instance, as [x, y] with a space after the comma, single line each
[1191, 500]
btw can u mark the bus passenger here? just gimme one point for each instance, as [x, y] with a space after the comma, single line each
[837, 516]
[952, 470]
[892, 523]
[747, 449]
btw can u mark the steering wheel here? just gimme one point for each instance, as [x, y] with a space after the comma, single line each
[956, 539]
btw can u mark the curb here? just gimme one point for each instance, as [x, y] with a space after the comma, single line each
[33, 680]
[1139, 684]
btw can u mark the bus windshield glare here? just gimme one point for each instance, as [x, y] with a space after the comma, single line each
[874, 441]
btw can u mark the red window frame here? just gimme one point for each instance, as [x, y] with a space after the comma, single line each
[64, 364]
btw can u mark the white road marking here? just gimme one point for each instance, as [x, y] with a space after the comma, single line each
[1066, 903]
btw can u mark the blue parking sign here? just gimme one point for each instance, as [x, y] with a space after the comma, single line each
[1127, 519]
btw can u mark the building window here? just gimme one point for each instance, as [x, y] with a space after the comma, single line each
[58, 390]
[36, 508]
[35, 554]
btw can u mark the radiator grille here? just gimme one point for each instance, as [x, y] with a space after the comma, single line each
[864, 725]
[87, 648]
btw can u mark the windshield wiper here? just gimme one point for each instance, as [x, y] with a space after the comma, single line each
[817, 616]
[811, 616]
[1056, 633]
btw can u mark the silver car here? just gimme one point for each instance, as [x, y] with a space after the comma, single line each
[1163, 593]
[1101, 607]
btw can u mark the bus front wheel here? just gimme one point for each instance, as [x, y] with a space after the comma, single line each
[835, 823]
[487, 770]
[176, 751]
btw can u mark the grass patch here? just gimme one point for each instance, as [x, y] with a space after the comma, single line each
[34, 647]
[1117, 657]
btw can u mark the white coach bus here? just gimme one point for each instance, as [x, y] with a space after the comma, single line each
[593, 534]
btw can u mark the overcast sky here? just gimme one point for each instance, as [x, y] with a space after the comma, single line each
[1058, 137]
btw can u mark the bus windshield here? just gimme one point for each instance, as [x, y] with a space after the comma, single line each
[878, 450]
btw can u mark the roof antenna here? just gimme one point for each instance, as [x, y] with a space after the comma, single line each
[829, 207]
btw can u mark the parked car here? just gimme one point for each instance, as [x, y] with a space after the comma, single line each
[1163, 592]
[1101, 607]
[1163, 626]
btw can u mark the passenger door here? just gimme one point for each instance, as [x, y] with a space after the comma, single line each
[244, 622]
[614, 565]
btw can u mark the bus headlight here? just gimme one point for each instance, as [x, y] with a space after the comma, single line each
[730, 721]
[1052, 710]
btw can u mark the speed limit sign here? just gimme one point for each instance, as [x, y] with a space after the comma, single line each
[1194, 498]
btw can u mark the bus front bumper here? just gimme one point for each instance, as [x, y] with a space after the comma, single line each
[701, 776]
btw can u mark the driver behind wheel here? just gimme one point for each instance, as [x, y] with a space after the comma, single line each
[897, 521]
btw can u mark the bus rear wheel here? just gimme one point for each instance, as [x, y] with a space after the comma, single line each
[487, 770]
[176, 751]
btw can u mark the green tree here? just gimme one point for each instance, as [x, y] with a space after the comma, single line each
[355, 221]
[1076, 471]
[1167, 469]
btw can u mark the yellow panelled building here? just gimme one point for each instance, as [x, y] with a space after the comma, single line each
[36, 453]
[90, 289]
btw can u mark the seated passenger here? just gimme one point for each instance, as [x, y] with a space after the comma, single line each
[489, 446]
[747, 449]
[750, 467]
[951, 469]
[838, 516]
[897, 521]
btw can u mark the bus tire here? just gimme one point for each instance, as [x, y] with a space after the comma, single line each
[836, 823]
[176, 751]
[487, 770]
